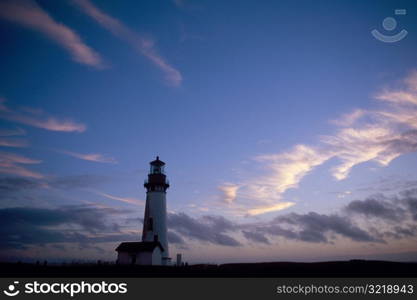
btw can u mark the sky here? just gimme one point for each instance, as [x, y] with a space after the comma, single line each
[289, 131]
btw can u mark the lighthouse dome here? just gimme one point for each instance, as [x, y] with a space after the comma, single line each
[157, 162]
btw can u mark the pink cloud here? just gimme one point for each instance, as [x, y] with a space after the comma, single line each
[96, 157]
[10, 163]
[129, 200]
[40, 121]
[12, 132]
[362, 136]
[6, 142]
[229, 192]
[144, 46]
[29, 14]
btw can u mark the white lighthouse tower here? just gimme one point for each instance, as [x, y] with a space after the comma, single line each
[155, 221]
[153, 249]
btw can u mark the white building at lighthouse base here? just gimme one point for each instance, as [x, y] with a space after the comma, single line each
[139, 253]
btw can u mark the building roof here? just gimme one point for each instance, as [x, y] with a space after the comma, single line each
[157, 162]
[139, 246]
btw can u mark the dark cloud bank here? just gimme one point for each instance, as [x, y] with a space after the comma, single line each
[85, 225]
[395, 216]
[397, 213]
[88, 225]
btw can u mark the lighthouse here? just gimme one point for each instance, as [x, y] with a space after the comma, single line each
[153, 249]
[155, 220]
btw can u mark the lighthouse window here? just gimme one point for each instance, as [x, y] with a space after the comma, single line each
[155, 170]
[150, 224]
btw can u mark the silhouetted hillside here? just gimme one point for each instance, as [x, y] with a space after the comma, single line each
[353, 268]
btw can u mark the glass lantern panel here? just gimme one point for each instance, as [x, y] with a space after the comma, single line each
[157, 169]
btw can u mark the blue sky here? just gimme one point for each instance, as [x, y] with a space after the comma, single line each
[273, 117]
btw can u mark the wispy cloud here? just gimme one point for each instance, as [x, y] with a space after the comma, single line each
[96, 157]
[11, 163]
[12, 132]
[262, 194]
[269, 208]
[29, 14]
[145, 46]
[229, 192]
[129, 200]
[11, 137]
[364, 135]
[343, 194]
[7, 142]
[349, 118]
[39, 120]
[15, 158]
